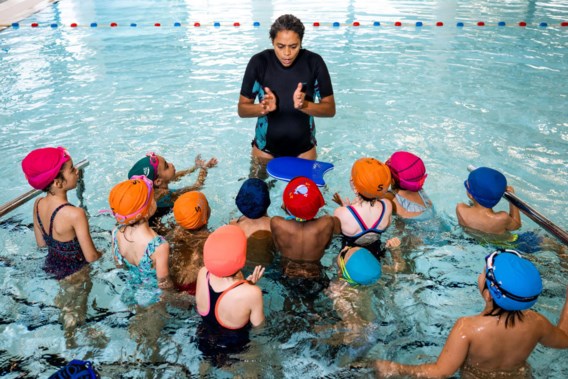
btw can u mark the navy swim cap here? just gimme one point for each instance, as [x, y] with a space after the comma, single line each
[486, 186]
[253, 198]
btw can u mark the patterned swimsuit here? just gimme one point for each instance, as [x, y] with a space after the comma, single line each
[63, 258]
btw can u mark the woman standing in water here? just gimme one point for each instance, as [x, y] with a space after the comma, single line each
[287, 80]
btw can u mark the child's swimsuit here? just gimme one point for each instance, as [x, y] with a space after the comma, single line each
[368, 237]
[410, 206]
[63, 258]
[216, 341]
[145, 266]
[214, 298]
[468, 371]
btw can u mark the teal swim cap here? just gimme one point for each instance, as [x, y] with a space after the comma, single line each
[363, 268]
[513, 281]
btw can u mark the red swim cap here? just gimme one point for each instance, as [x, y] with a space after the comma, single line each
[302, 198]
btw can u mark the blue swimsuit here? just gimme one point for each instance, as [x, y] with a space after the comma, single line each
[144, 269]
[368, 237]
[63, 258]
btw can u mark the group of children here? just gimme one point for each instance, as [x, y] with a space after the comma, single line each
[208, 265]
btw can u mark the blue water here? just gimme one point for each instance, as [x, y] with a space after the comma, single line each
[492, 96]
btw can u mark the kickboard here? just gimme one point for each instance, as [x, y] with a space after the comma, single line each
[287, 168]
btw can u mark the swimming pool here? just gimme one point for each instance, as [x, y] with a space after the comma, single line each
[482, 95]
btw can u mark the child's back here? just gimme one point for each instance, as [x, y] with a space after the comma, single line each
[59, 225]
[485, 187]
[408, 177]
[135, 244]
[253, 200]
[191, 212]
[301, 237]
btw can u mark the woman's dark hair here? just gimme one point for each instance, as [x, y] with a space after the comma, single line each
[287, 22]
[511, 316]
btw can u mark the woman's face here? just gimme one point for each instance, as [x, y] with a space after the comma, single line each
[287, 46]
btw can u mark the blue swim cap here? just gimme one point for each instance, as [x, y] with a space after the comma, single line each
[253, 198]
[486, 186]
[363, 267]
[513, 281]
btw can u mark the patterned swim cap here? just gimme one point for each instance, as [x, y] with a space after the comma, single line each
[302, 198]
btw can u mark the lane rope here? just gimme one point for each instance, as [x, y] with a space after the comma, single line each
[315, 24]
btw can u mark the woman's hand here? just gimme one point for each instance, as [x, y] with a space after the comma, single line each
[299, 97]
[268, 102]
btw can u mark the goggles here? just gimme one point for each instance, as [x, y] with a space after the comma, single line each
[495, 286]
[154, 161]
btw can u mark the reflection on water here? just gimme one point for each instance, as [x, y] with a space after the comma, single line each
[484, 96]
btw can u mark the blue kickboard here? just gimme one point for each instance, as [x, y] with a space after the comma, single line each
[287, 168]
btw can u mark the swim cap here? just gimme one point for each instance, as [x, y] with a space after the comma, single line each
[486, 186]
[362, 267]
[513, 281]
[302, 198]
[225, 251]
[130, 200]
[147, 166]
[191, 210]
[371, 178]
[253, 198]
[407, 170]
[41, 166]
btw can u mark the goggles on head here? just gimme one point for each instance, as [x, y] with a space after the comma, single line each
[495, 286]
[154, 161]
[139, 212]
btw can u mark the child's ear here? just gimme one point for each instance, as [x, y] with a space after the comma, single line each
[158, 182]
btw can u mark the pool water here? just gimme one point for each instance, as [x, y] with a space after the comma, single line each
[482, 95]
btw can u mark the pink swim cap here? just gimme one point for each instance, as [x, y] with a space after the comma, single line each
[408, 170]
[42, 166]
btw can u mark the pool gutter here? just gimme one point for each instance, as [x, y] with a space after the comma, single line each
[16, 10]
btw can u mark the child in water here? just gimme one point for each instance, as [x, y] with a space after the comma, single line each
[191, 212]
[497, 342]
[134, 244]
[68, 240]
[366, 218]
[253, 201]
[162, 173]
[408, 176]
[228, 304]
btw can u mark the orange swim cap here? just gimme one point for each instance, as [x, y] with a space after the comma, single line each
[225, 251]
[191, 210]
[371, 178]
[130, 200]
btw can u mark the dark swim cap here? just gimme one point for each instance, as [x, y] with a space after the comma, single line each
[253, 198]
[486, 186]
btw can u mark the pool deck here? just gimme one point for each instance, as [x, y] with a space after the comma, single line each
[16, 10]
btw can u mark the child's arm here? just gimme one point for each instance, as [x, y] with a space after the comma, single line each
[514, 213]
[257, 308]
[81, 227]
[160, 258]
[557, 337]
[449, 361]
[37, 232]
[199, 182]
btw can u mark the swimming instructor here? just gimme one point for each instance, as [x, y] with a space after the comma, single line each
[287, 80]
